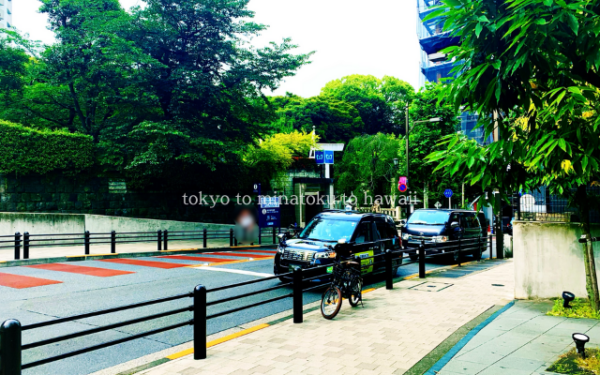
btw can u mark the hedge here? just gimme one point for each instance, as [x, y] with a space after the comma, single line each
[25, 150]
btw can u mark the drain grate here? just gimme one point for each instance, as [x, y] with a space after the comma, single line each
[431, 287]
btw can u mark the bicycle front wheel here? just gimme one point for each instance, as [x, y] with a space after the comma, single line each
[355, 292]
[331, 302]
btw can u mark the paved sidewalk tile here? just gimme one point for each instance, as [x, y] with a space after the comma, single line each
[395, 329]
[522, 340]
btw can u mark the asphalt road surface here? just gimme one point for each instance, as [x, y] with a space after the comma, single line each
[34, 294]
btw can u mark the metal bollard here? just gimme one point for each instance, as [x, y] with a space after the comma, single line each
[459, 249]
[17, 245]
[259, 235]
[26, 245]
[113, 242]
[422, 260]
[199, 322]
[86, 242]
[491, 246]
[159, 240]
[389, 278]
[165, 240]
[298, 300]
[10, 347]
[204, 238]
[231, 237]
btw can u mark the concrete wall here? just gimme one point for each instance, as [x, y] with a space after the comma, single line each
[103, 224]
[41, 223]
[549, 260]
[85, 194]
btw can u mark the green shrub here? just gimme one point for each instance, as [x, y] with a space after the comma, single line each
[580, 308]
[25, 150]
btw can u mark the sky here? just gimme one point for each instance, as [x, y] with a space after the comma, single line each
[377, 37]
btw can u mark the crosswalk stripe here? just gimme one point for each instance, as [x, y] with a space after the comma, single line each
[240, 255]
[83, 270]
[21, 282]
[232, 270]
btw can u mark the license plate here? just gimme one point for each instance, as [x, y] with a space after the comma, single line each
[330, 269]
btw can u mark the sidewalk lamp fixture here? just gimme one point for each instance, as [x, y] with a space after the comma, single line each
[580, 341]
[567, 297]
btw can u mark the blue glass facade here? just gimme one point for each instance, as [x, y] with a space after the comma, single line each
[435, 67]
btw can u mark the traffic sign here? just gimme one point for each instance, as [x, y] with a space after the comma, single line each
[438, 205]
[448, 193]
[328, 157]
[320, 156]
[324, 157]
[269, 214]
[403, 184]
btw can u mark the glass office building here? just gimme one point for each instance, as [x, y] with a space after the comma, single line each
[6, 14]
[435, 67]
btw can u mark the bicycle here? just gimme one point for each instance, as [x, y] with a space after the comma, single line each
[347, 282]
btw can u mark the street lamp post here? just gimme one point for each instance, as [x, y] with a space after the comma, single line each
[408, 130]
[392, 179]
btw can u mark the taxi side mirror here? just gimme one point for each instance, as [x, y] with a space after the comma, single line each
[454, 224]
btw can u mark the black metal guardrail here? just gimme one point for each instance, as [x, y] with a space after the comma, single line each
[11, 330]
[27, 241]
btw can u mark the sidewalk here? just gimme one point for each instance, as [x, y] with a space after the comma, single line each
[394, 330]
[521, 341]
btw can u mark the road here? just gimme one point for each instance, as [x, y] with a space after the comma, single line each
[79, 287]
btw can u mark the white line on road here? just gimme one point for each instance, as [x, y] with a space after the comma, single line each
[231, 270]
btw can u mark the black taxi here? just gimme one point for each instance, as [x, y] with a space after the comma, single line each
[363, 235]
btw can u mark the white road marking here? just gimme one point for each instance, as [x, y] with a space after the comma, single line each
[231, 270]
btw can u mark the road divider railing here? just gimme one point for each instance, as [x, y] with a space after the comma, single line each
[26, 242]
[11, 331]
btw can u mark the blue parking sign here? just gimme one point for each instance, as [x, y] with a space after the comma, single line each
[320, 157]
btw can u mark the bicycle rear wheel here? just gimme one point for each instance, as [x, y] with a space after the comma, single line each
[355, 292]
[331, 302]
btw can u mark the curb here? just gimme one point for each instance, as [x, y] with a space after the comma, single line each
[437, 367]
[76, 258]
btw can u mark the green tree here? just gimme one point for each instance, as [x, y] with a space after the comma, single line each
[13, 66]
[531, 69]
[367, 167]
[334, 120]
[380, 102]
[166, 91]
[275, 154]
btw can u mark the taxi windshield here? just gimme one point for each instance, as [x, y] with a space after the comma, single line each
[429, 217]
[328, 230]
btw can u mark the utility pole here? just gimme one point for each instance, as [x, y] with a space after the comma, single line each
[406, 115]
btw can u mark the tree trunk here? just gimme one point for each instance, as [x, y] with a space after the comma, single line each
[591, 280]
